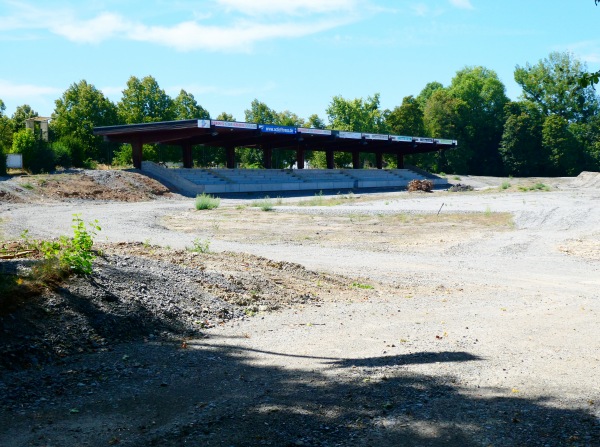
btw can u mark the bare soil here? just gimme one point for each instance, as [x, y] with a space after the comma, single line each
[441, 319]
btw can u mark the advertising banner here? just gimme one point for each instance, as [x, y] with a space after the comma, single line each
[401, 138]
[351, 135]
[234, 124]
[424, 140]
[313, 131]
[376, 136]
[274, 128]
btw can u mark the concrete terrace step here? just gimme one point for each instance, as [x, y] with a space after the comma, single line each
[197, 181]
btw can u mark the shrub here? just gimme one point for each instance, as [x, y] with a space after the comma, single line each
[37, 155]
[207, 202]
[73, 254]
[265, 204]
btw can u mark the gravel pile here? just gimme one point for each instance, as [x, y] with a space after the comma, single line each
[126, 298]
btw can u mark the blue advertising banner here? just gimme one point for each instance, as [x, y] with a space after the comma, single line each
[274, 128]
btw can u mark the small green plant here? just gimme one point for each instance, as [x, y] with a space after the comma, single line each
[28, 186]
[207, 202]
[505, 185]
[73, 254]
[488, 211]
[265, 204]
[359, 285]
[537, 187]
[199, 246]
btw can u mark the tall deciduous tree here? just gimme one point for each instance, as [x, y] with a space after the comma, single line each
[443, 116]
[482, 120]
[5, 137]
[143, 101]
[185, 107]
[22, 113]
[357, 115]
[261, 113]
[427, 91]
[521, 147]
[81, 108]
[559, 142]
[406, 119]
[552, 85]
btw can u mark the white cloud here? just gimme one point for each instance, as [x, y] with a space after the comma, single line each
[95, 30]
[13, 90]
[288, 7]
[588, 50]
[462, 4]
[242, 36]
[238, 27]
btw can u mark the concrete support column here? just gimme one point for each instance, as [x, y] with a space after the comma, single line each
[230, 153]
[268, 157]
[400, 161]
[329, 159]
[186, 148]
[355, 159]
[379, 160]
[136, 152]
[300, 157]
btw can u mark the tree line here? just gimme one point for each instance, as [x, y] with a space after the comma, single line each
[553, 129]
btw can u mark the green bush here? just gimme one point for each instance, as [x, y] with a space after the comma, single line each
[265, 204]
[207, 202]
[37, 154]
[62, 154]
[73, 254]
[199, 246]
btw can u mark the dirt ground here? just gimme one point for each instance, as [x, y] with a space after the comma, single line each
[367, 319]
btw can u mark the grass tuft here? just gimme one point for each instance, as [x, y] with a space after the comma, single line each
[207, 202]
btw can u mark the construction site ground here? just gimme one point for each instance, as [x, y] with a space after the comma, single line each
[348, 318]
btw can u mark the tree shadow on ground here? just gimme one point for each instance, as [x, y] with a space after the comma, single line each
[211, 393]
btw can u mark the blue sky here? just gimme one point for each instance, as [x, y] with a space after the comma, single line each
[291, 54]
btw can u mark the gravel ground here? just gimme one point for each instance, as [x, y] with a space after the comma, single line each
[489, 339]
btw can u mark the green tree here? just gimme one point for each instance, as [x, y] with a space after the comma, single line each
[442, 118]
[426, 93]
[143, 101]
[521, 146]
[5, 137]
[81, 108]
[260, 113]
[185, 107]
[37, 155]
[406, 119]
[315, 122]
[356, 115]
[552, 85]
[224, 116]
[22, 113]
[561, 145]
[481, 123]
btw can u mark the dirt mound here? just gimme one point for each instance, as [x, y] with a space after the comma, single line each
[123, 186]
[587, 180]
[139, 291]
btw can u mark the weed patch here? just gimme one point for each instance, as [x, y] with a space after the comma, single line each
[207, 202]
